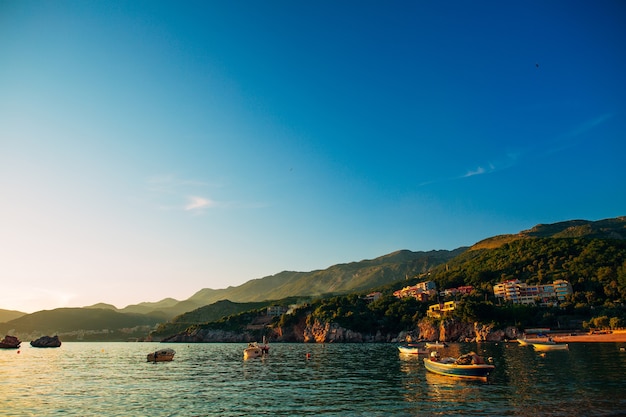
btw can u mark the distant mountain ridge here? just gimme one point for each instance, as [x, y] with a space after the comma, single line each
[338, 279]
[614, 228]
[7, 315]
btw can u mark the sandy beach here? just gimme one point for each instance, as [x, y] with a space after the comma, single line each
[618, 336]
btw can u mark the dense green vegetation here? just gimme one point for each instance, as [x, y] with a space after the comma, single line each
[595, 267]
[590, 255]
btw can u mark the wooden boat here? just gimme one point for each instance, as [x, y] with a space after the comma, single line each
[10, 342]
[412, 350]
[436, 345]
[549, 345]
[254, 350]
[162, 355]
[468, 366]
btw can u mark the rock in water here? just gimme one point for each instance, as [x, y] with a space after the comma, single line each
[46, 341]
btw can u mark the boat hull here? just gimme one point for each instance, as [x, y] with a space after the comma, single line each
[410, 350]
[459, 371]
[436, 345]
[543, 347]
[254, 350]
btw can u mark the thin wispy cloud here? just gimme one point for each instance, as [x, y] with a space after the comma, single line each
[175, 194]
[589, 125]
[199, 203]
[509, 160]
[479, 171]
[570, 138]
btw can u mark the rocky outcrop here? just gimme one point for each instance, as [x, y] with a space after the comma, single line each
[211, 336]
[319, 332]
[451, 330]
[46, 342]
[10, 342]
[315, 331]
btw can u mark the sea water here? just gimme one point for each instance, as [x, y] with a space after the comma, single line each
[114, 379]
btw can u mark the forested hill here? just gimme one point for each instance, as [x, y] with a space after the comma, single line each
[593, 262]
[337, 279]
[614, 228]
[590, 255]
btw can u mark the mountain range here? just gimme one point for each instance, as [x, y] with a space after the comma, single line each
[127, 323]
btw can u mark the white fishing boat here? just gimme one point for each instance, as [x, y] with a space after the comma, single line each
[549, 345]
[412, 350]
[254, 350]
[436, 345]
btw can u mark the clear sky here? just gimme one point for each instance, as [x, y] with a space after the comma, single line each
[150, 149]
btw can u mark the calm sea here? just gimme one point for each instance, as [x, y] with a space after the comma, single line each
[114, 379]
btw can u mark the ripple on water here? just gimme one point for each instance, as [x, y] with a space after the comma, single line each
[114, 379]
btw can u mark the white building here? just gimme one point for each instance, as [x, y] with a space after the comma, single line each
[521, 293]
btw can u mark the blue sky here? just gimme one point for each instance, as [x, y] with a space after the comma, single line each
[152, 149]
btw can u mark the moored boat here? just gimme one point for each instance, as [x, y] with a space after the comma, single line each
[162, 355]
[468, 366]
[254, 350]
[10, 342]
[436, 345]
[412, 350]
[549, 345]
[526, 342]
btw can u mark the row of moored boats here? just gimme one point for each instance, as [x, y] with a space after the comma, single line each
[254, 350]
[469, 365]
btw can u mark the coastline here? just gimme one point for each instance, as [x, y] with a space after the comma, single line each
[617, 336]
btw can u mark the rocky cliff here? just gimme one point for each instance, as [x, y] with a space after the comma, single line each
[321, 332]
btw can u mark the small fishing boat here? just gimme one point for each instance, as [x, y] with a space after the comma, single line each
[412, 350]
[162, 355]
[254, 350]
[10, 342]
[468, 366]
[436, 345]
[549, 345]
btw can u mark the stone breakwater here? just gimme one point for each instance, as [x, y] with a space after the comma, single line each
[324, 332]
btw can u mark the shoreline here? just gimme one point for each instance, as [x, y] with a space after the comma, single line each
[618, 336]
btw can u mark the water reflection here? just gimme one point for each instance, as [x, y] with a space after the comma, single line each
[210, 379]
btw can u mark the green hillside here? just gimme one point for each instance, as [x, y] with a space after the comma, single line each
[209, 313]
[591, 255]
[337, 279]
[77, 323]
[7, 315]
[595, 265]
[614, 228]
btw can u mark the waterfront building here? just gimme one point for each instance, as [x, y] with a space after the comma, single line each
[519, 292]
[422, 291]
[441, 309]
